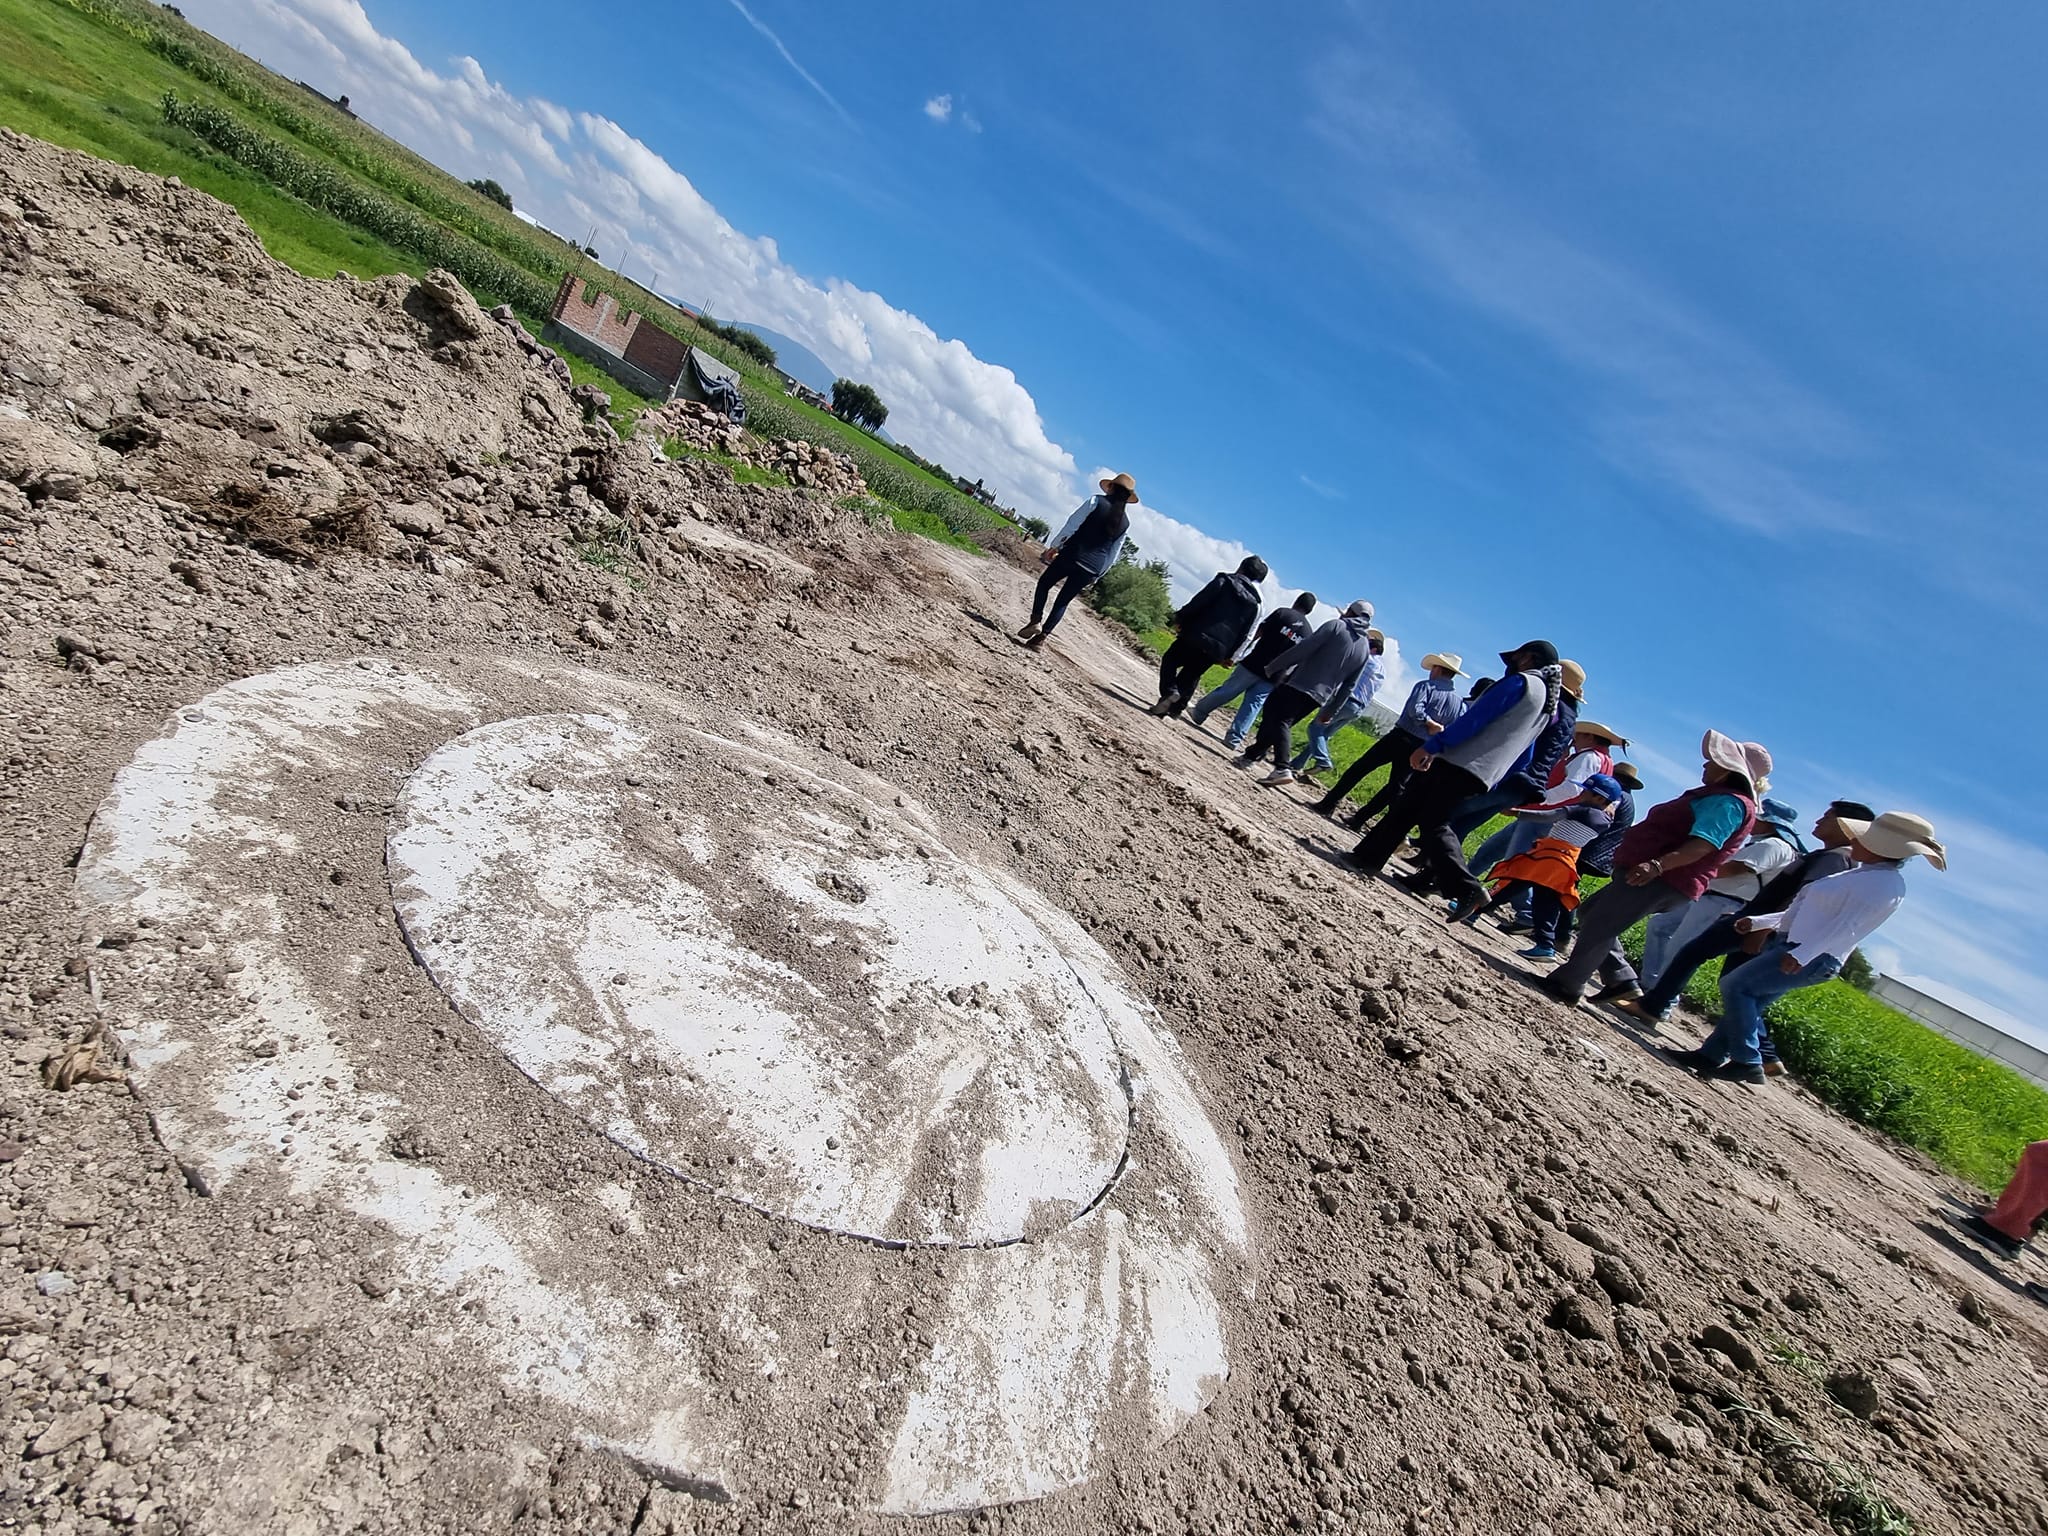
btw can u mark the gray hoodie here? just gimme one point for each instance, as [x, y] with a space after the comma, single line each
[1327, 664]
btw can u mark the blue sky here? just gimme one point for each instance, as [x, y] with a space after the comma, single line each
[1706, 343]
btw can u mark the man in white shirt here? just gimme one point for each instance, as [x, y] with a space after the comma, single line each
[1772, 847]
[1811, 938]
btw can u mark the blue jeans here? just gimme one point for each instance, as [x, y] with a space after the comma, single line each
[1517, 837]
[1245, 685]
[1480, 809]
[1669, 932]
[1321, 729]
[1745, 993]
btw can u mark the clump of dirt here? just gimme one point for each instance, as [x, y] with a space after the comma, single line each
[1513, 1275]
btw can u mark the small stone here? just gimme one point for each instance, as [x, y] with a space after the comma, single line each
[1618, 1278]
[1556, 1161]
[592, 633]
[1726, 1341]
[1330, 1201]
[54, 1282]
[1403, 1047]
[1373, 1004]
[376, 1287]
[1855, 1389]
[1676, 1438]
[420, 521]
[1577, 1316]
[66, 1430]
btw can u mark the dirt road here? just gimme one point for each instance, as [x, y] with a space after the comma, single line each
[327, 1234]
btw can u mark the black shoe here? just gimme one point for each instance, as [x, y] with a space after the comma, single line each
[1977, 1228]
[1547, 984]
[1615, 990]
[1749, 1073]
[1328, 806]
[1467, 911]
[1692, 1061]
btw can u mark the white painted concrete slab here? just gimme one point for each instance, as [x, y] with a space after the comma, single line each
[804, 963]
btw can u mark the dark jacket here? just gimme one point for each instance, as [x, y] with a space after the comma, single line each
[1283, 626]
[1219, 618]
[1597, 857]
[1548, 749]
[1326, 665]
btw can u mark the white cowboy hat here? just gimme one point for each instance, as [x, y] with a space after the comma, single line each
[1606, 733]
[1747, 758]
[1899, 835]
[1449, 659]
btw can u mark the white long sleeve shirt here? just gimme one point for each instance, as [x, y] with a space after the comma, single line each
[1752, 866]
[1833, 916]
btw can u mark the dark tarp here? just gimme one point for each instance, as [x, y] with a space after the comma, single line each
[718, 386]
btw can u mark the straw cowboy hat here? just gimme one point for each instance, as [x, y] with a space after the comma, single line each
[1574, 679]
[1626, 772]
[1449, 659]
[1605, 733]
[1373, 634]
[1899, 835]
[1124, 481]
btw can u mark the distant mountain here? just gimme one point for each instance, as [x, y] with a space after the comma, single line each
[794, 358]
[791, 355]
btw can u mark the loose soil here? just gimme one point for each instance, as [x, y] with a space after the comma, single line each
[1509, 1271]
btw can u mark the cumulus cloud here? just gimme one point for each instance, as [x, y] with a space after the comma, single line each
[939, 109]
[574, 171]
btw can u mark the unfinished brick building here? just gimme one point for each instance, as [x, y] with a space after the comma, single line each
[629, 347]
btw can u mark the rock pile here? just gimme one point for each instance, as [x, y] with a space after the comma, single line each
[703, 430]
[537, 353]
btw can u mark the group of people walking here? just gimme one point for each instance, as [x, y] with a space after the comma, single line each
[1720, 871]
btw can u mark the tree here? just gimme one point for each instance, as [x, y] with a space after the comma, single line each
[859, 404]
[1134, 595]
[1037, 527]
[486, 187]
[1858, 971]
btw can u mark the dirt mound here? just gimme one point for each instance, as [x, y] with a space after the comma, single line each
[1504, 1271]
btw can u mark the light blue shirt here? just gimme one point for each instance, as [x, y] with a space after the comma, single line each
[1368, 682]
[1434, 698]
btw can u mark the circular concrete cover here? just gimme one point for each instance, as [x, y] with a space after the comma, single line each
[760, 1117]
[760, 980]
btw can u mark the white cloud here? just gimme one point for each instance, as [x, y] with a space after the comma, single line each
[939, 109]
[970, 122]
[571, 171]
[1317, 487]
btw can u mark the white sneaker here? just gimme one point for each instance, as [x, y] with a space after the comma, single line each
[1278, 777]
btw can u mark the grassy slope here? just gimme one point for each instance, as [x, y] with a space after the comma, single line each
[91, 83]
[73, 83]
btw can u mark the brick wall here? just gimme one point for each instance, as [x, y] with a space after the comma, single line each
[658, 352]
[587, 312]
[596, 317]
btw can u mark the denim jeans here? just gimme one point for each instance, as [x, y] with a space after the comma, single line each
[1747, 992]
[1669, 932]
[1249, 689]
[1320, 732]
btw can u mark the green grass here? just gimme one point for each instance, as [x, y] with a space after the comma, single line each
[742, 472]
[910, 520]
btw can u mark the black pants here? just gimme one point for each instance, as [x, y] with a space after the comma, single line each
[1284, 709]
[1425, 805]
[1077, 581]
[1181, 669]
[1391, 752]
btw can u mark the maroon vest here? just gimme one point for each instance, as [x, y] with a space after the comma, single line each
[1670, 824]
